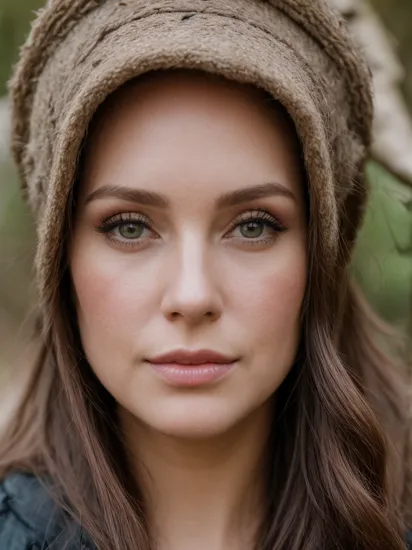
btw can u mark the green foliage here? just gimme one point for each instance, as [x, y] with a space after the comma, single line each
[15, 17]
[383, 259]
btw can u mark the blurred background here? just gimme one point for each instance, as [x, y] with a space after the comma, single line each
[383, 262]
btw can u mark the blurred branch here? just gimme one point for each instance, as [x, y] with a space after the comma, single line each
[392, 145]
[4, 129]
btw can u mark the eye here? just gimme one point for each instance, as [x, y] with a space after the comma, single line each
[127, 228]
[257, 226]
[252, 230]
[130, 230]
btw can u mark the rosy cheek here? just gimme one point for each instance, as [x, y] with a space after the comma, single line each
[270, 302]
[278, 298]
[95, 294]
[103, 290]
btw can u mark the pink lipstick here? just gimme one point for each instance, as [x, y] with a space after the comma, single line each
[192, 368]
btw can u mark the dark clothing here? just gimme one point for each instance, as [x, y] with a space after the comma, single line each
[30, 520]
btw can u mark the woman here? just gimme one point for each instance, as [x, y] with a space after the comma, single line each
[209, 375]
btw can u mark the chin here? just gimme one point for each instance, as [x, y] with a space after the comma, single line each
[192, 419]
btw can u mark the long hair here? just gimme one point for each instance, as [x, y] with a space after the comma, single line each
[336, 473]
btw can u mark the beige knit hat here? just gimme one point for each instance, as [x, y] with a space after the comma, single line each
[80, 51]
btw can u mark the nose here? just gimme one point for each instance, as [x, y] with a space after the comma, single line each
[191, 291]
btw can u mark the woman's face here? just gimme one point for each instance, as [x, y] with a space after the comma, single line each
[190, 235]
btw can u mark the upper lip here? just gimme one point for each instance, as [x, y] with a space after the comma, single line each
[192, 357]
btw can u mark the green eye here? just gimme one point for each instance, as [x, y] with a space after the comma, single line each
[251, 230]
[131, 230]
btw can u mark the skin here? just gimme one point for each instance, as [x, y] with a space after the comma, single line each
[198, 278]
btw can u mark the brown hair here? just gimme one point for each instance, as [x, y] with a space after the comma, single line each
[341, 475]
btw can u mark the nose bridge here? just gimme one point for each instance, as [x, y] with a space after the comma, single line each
[191, 290]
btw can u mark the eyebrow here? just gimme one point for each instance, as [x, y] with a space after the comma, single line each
[231, 198]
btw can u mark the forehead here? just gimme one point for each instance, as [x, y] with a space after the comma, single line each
[187, 125]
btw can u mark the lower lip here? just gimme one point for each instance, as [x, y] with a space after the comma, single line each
[192, 375]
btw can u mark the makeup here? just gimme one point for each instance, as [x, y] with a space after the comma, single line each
[192, 368]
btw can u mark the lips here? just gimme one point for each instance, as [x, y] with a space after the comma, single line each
[188, 357]
[187, 368]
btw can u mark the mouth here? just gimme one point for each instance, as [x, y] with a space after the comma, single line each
[192, 368]
[192, 357]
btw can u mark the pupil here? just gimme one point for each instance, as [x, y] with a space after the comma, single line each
[251, 229]
[130, 230]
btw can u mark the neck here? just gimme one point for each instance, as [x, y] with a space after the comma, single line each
[204, 493]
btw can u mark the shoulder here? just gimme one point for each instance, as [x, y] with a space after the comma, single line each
[31, 520]
[409, 539]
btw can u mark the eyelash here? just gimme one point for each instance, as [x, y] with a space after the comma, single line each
[258, 215]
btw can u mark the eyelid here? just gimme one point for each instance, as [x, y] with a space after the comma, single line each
[124, 217]
[258, 214]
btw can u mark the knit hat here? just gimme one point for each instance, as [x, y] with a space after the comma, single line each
[80, 51]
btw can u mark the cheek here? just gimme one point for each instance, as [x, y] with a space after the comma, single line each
[112, 304]
[270, 325]
[269, 307]
[280, 298]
